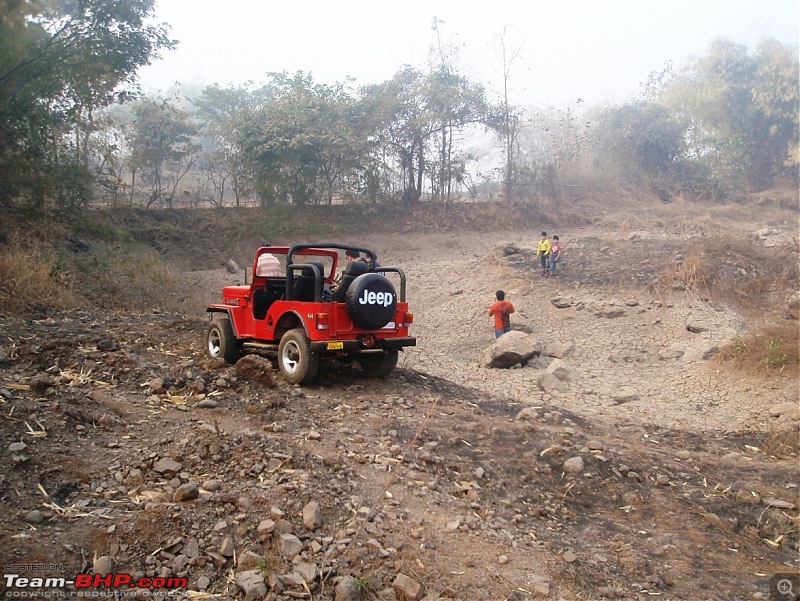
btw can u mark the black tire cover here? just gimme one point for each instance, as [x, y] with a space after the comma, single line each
[371, 301]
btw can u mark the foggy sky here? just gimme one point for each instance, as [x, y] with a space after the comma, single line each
[596, 50]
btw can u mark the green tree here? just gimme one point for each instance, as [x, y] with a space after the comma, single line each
[222, 114]
[163, 149]
[60, 62]
[639, 142]
[303, 143]
[744, 112]
[414, 118]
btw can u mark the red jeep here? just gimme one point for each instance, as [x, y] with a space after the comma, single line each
[297, 310]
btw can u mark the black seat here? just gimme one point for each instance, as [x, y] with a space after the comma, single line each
[305, 284]
[354, 269]
[264, 297]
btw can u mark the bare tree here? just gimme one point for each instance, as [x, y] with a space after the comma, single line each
[509, 117]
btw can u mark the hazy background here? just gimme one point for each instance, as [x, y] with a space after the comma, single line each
[594, 50]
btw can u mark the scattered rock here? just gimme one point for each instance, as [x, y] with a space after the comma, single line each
[212, 485]
[17, 447]
[307, 570]
[265, 527]
[573, 465]
[559, 350]
[347, 589]
[778, 504]
[608, 311]
[700, 351]
[675, 351]
[775, 410]
[252, 585]
[34, 517]
[312, 516]
[290, 545]
[562, 371]
[547, 382]
[569, 556]
[698, 326]
[186, 492]
[108, 346]
[407, 588]
[167, 467]
[249, 561]
[231, 266]
[227, 548]
[562, 302]
[624, 394]
[103, 565]
[256, 368]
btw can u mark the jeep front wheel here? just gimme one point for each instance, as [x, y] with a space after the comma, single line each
[378, 365]
[220, 341]
[295, 360]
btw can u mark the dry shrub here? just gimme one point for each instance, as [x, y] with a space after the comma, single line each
[736, 270]
[769, 350]
[33, 276]
[692, 275]
[126, 276]
[780, 442]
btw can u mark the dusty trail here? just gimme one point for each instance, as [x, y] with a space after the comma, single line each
[650, 473]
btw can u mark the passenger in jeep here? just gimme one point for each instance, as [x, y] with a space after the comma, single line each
[350, 256]
[268, 266]
[372, 262]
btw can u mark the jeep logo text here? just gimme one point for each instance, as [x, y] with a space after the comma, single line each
[377, 298]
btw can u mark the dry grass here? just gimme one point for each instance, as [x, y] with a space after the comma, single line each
[33, 275]
[769, 350]
[735, 270]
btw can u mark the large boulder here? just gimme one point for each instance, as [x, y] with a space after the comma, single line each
[510, 349]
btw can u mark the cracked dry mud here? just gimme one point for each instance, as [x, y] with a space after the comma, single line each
[646, 475]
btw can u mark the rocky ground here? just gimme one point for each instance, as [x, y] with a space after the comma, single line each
[620, 461]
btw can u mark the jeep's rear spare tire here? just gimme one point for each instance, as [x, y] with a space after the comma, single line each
[220, 341]
[371, 301]
[296, 361]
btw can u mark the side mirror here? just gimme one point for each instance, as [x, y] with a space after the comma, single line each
[248, 275]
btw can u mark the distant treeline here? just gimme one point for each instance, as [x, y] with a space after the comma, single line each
[74, 134]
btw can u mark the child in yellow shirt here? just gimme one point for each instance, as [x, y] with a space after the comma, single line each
[543, 250]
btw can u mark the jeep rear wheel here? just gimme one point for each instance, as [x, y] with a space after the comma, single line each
[295, 360]
[220, 341]
[378, 365]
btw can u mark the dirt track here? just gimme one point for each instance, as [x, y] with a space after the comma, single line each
[449, 473]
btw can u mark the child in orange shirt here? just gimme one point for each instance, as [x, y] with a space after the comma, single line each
[502, 310]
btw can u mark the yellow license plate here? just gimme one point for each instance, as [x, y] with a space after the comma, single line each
[335, 346]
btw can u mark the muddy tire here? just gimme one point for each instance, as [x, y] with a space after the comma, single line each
[378, 365]
[220, 341]
[295, 360]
